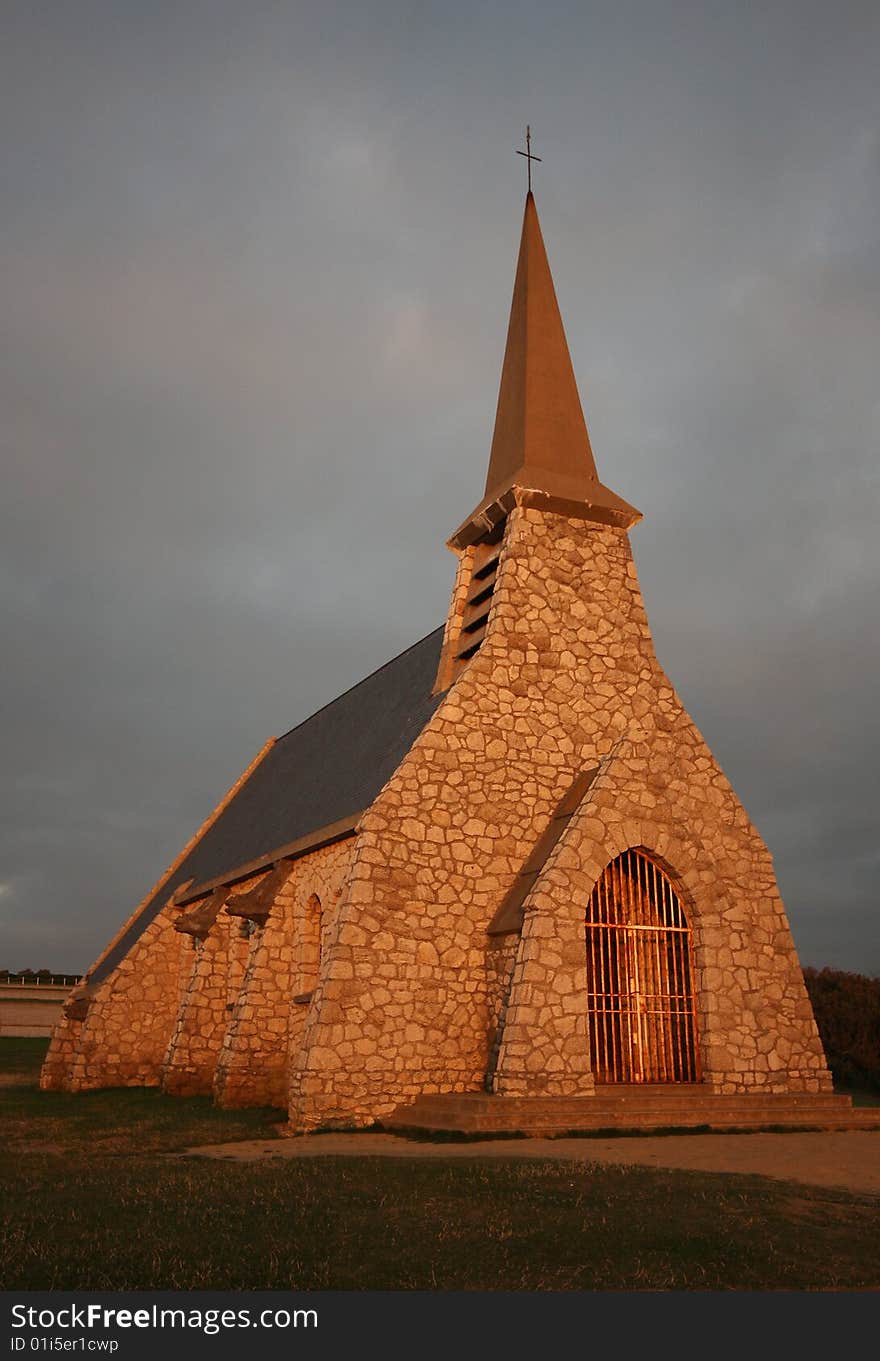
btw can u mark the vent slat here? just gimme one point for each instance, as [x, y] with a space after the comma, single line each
[478, 601]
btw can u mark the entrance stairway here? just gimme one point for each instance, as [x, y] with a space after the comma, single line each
[629, 1109]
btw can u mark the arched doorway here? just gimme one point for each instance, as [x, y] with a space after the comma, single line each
[640, 993]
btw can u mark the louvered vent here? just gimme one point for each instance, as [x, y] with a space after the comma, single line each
[475, 619]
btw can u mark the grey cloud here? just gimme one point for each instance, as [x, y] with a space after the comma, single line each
[256, 274]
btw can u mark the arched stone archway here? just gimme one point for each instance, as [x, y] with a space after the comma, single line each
[640, 987]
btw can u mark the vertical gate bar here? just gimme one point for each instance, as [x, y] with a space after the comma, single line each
[607, 1013]
[688, 1007]
[598, 994]
[601, 1047]
[663, 972]
[611, 984]
[681, 1034]
[625, 1040]
[644, 897]
[650, 916]
[662, 1003]
[603, 973]
[631, 980]
[662, 996]
[648, 946]
[639, 996]
[612, 987]
[596, 1003]
[591, 979]
[595, 1017]
[646, 1024]
[638, 938]
[698, 1068]
[695, 1048]
[649, 1048]
[672, 952]
[675, 991]
[669, 955]
[668, 1029]
[602, 933]
[685, 1002]
[642, 984]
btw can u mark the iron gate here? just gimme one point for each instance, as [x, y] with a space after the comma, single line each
[639, 986]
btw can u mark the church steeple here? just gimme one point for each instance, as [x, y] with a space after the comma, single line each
[541, 452]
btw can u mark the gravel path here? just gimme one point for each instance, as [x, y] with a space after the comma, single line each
[848, 1160]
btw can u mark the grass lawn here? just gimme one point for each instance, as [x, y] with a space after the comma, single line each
[92, 1201]
[21, 1054]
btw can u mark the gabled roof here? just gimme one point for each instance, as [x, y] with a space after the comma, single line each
[322, 772]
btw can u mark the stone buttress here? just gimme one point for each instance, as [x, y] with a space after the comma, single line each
[212, 1010]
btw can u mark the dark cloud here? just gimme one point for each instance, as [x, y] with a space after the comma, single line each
[256, 264]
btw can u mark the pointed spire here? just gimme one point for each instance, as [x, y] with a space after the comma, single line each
[539, 422]
[541, 445]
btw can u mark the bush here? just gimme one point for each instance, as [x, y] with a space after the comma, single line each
[847, 1011]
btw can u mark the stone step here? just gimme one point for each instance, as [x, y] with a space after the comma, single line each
[507, 1119]
[537, 1108]
[620, 1124]
[628, 1096]
[630, 1109]
[724, 1105]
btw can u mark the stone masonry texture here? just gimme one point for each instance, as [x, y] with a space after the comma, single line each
[567, 676]
[267, 1017]
[374, 980]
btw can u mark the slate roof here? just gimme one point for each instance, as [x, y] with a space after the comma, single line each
[328, 768]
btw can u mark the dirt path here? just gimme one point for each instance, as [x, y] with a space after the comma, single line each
[850, 1160]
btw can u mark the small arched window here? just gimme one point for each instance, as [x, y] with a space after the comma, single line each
[309, 951]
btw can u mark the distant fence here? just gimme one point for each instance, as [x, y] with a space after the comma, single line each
[38, 980]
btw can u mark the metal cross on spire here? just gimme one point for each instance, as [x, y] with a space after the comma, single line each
[528, 154]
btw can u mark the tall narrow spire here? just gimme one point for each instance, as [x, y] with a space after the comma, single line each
[541, 446]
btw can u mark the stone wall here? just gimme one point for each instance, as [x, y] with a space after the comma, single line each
[59, 1056]
[123, 1039]
[501, 954]
[566, 671]
[197, 1037]
[214, 1015]
[755, 1026]
[266, 1021]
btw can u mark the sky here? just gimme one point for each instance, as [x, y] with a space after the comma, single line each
[256, 263]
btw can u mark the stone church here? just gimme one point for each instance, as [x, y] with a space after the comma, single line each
[500, 883]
